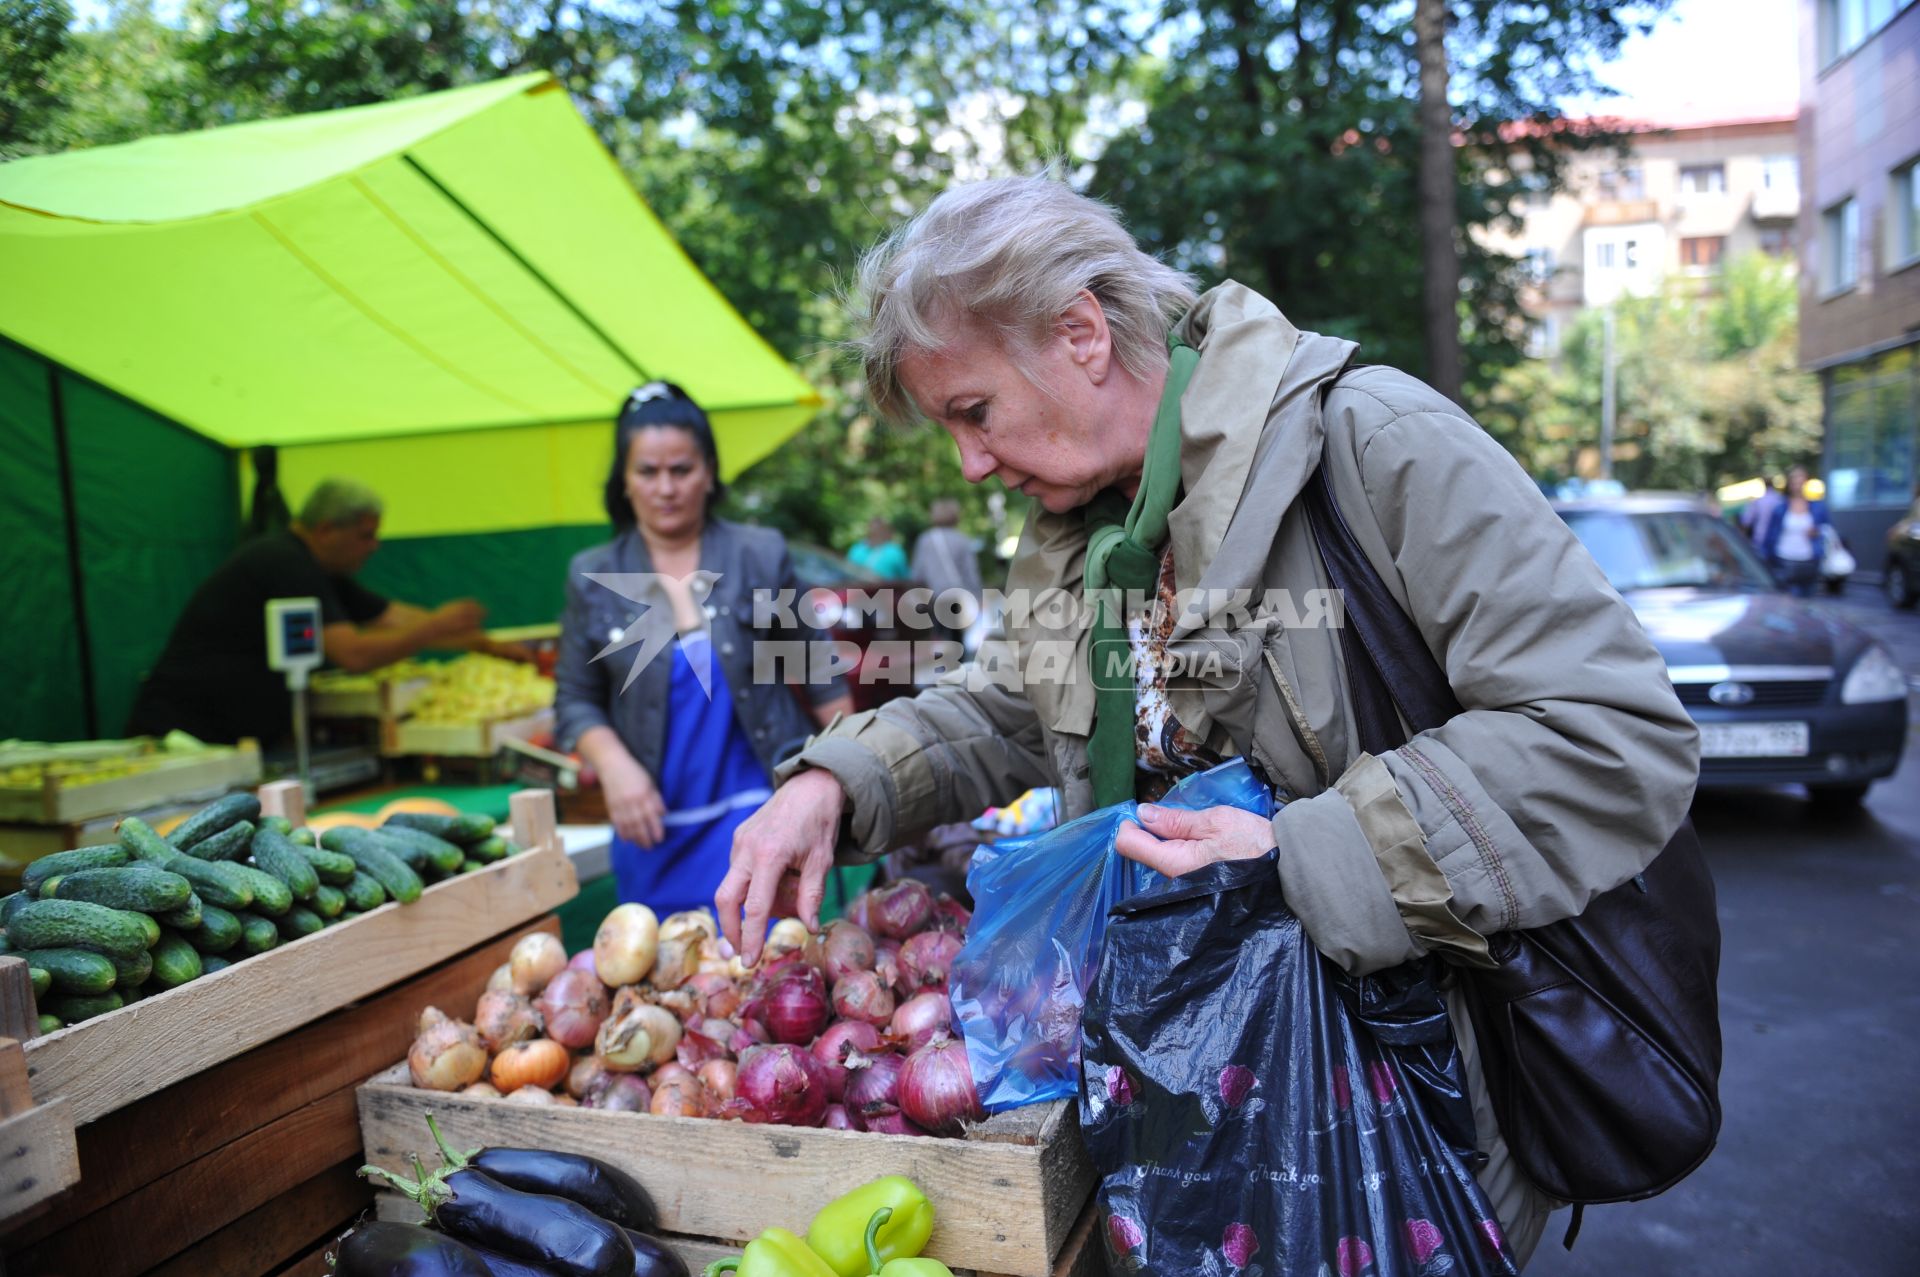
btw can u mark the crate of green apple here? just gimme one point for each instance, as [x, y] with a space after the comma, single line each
[849, 1029]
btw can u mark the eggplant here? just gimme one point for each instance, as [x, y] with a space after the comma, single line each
[561, 1237]
[654, 1258]
[607, 1191]
[383, 1249]
[505, 1266]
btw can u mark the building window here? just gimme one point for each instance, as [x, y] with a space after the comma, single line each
[1623, 184]
[1871, 413]
[1631, 255]
[1776, 241]
[1702, 252]
[1840, 246]
[1844, 25]
[1603, 255]
[1703, 179]
[1903, 215]
[1780, 173]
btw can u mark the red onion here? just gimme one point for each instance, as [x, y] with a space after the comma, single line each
[927, 957]
[862, 997]
[797, 1006]
[888, 1120]
[619, 1092]
[916, 1020]
[751, 1033]
[837, 1119]
[936, 1087]
[782, 1084]
[844, 948]
[950, 915]
[831, 1049]
[902, 909]
[581, 961]
[715, 994]
[873, 1080]
[574, 1004]
[859, 911]
[696, 1049]
[886, 963]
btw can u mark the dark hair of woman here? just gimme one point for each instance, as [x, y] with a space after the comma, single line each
[657, 405]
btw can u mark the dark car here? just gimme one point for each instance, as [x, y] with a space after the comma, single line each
[882, 652]
[1782, 693]
[1901, 579]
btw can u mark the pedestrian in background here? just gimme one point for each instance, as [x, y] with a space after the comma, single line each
[880, 554]
[1758, 511]
[945, 560]
[1791, 536]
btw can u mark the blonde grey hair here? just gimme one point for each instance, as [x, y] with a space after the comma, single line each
[336, 501]
[1010, 254]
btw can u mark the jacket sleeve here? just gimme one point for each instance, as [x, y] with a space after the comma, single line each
[967, 743]
[580, 696]
[1572, 764]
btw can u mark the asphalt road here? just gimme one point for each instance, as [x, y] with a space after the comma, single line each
[1818, 1167]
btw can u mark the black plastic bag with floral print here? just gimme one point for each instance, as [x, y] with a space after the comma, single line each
[1254, 1112]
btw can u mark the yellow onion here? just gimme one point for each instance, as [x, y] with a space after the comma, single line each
[504, 1017]
[687, 922]
[536, 959]
[586, 1071]
[684, 1097]
[542, 1063]
[789, 935]
[502, 978]
[624, 947]
[532, 1095]
[637, 1033]
[447, 1054]
[481, 1091]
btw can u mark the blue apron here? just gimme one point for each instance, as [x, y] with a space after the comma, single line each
[710, 780]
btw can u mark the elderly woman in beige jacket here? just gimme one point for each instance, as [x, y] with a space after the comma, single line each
[1024, 321]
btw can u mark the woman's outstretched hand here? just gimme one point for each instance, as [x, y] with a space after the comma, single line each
[781, 851]
[1175, 841]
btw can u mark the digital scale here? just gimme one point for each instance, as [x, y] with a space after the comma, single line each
[293, 648]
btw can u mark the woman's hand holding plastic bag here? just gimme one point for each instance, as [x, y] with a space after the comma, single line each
[1173, 841]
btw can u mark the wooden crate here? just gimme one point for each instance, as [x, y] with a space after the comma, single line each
[189, 776]
[104, 1063]
[386, 700]
[249, 1166]
[1008, 1196]
[465, 740]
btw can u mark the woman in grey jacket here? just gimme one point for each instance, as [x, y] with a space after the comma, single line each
[656, 683]
[1025, 321]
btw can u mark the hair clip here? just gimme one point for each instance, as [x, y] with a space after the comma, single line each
[651, 391]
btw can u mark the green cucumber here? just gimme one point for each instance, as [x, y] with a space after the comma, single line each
[467, 827]
[276, 854]
[212, 962]
[131, 973]
[370, 852]
[215, 882]
[215, 816]
[72, 1009]
[304, 837]
[279, 824]
[257, 934]
[41, 979]
[111, 856]
[299, 921]
[491, 849]
[331, 866]
[270, 895]
[174, 962]
[12, 905]
[219, 930]
[186, 917]
[329, 902]
[51, 1023]
[138, 838]
[141, 888]
[350, 915]
[363, 893]
[77, 924]
[73, 970]
[420, 848]
[148, 927]
[231, 843]
[471, 866]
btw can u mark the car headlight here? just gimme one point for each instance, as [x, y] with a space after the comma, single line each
[1874, 677]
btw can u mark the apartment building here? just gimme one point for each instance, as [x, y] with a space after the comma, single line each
[1860, 242]
[1688, 195]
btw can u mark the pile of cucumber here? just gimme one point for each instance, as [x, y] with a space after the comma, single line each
[104, 926]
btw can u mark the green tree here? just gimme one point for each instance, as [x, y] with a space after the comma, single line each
[33, 36]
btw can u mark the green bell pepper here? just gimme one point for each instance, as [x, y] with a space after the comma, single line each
[774, 1253]
[838, 1233]
[897, 1267]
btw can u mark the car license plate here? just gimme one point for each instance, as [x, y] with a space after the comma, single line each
[1753, 740]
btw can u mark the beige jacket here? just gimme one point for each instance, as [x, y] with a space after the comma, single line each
[1569, 770]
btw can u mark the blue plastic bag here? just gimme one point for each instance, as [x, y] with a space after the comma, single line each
[1039, 916]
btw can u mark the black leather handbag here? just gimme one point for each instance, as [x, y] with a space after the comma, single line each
[1599, 1035]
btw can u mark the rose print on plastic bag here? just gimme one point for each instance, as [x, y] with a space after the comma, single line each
[1239, 1245]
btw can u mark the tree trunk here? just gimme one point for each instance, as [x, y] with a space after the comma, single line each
[1439, 221]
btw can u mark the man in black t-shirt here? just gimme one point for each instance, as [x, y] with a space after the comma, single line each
[212, 678]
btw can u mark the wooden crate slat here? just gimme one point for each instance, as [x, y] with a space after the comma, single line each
[283, 1231]
[150, 1138]
[1006, 1208]
[466, 740]
[161, 1219]
[106, 1063]
[57, 804]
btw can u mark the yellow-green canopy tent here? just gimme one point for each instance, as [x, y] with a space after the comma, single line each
[446, 297]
